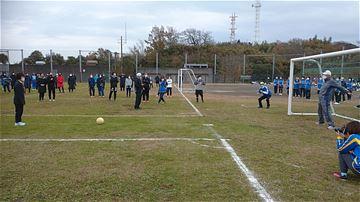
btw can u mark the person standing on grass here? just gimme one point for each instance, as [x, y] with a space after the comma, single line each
[71, 83]
[349, 87]
[33, 81]
[91, 82]
[128, 86]
[138, 90]
[100, 84]
[5, 82]
[113, 85]
[51, 86]
[169, 86]
[325, 95]
[41, 86]
[281, 85]
[266, 94]
[60, 83]
[302, 87]
[13, 79]
[162, 90]
[27, 83]
[122, 82]
[296, 92]
[19, 98]
[199, 89]
[320, 82]
[146, 88]
[348, 146]
[157, 80]
[307, 88]
[276, 85]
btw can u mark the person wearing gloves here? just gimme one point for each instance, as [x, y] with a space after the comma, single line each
[325, 94]
[199, 89]
[266, 94]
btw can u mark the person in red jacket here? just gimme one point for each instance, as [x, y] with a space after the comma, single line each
[60, 83]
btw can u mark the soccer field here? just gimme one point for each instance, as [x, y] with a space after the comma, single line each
[167, 152]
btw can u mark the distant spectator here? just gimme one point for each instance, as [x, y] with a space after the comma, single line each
[91, 82]
[19, 98]
[128, 85]
[27, 82]
[169, 82]
[60, 83]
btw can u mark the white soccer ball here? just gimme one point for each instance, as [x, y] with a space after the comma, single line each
[99, 120]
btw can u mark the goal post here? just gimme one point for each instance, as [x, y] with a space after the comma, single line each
[186, 75]
[312, 58]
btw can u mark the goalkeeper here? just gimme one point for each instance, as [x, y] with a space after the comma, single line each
[266, 95]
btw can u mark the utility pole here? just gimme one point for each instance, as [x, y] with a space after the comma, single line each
[342, 63]
[136, 62]
[232, 27]
[109, 57]
[157, 63]
[244, 64]
[80, 66]
[51, 61]
[22, 61]
[273, 67]
[214, 68]
[257, 6]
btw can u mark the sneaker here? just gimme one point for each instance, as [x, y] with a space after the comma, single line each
[336, 103]
[331, 127]
[319, 123]
[20, 124]
[339, 176]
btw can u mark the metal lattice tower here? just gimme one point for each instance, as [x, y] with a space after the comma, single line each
[257, 6]
[232, 27]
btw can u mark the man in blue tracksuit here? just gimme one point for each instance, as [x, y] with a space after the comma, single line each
[307, 88]
[296, 87]
[92, 83]
[319, 84]
[276, 85]
[349, 86]
[302, 87]
[325, 95]
[266, 94]
[281, 85]
[348, 146]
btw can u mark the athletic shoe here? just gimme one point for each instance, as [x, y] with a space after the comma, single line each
[20, 124]
[331, 127]
[336, 103]
[319, 123]
[339, 176]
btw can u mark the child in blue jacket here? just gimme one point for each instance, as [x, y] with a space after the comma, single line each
[162, 90]
[348, 146]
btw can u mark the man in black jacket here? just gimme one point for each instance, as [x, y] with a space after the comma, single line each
[122, 82]
[146, 88]
[113, 85]
[138, 90]
[51, 86]
[19, 98]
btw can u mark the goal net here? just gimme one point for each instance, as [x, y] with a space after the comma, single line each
[186, 79]
[305, 80]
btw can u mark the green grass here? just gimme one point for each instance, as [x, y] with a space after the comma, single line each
[291, 156]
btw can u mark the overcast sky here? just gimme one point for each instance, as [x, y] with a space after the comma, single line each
[70, 26]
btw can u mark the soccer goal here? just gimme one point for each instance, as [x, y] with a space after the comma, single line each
[186, 79]
[344, 65]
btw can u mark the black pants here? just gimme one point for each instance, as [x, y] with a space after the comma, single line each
[296, 92]
[197, 93]
[169, 91]
[41, 96]
[29, 89]
[128, 92]
[307, 93]
[281, 89]
[138, 100]
[343, 97]
[337, 97]
[267, 100]
[51, 91]
[61, 89]
[349, 95]
[275, 89]
[345, 163]
[19, 109]
[302, 92]
[92, 91]
[146, 94]
[6, 87]
[112, 90]
[122, 88]
[161, 97]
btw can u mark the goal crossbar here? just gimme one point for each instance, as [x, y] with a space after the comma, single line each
[291, 78]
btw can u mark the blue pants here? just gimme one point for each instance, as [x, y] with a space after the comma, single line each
[101, 91]
[324, 110]
[33, 84]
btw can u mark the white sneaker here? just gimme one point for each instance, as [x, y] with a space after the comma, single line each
[20, 124]
[336, 103]
[331, 127]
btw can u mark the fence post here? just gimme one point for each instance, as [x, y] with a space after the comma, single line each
[157, 63]
[214, 68]
[273, 67]
[22, 61]
[303, 66]
[136, 62]
[51, 61]
[342, 63]
[80, 64]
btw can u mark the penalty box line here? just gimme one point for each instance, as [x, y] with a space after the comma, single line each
[189, 102]
[260, 190]
[101, 139]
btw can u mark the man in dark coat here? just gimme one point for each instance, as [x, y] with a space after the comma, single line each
[19, 98]
[138, 90]
[71, 82]
[122, 82]
[27, 82]
[113, 85]
[146, 88]
[51, 86]
[41, 83]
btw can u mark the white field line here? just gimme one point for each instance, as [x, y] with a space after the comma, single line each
[105, 116]
[260, 190]
[191, 104]
[101, 139]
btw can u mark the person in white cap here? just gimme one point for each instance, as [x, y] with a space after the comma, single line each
[138, 90]
[325, 94]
